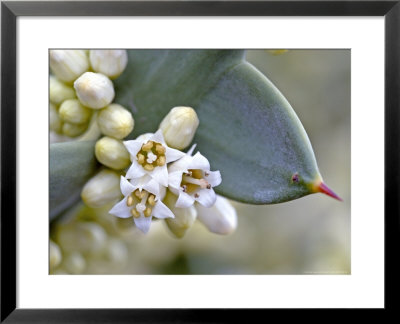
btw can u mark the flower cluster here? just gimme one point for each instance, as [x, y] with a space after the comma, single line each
[159, 181]
[155, 167]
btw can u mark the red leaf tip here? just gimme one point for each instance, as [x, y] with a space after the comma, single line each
[322, 187]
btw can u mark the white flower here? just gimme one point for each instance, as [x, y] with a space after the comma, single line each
[221, 218]
[150, 156]
[191, 179]
[142, 201]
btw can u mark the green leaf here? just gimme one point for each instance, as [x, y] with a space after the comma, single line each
[71, 165]
[247, 129]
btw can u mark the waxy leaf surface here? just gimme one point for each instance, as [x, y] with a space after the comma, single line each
[71, 165]
[248, 130]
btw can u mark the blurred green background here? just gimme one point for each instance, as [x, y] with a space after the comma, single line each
[310, 235]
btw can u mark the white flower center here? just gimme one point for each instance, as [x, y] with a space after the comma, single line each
[140, 207]
[151, 157]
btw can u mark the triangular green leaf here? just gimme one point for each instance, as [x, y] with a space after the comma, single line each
[247, 129]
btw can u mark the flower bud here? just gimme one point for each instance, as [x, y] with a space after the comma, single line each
[94, 90]
[73, 130]
[109, 62]
[59, 91]
[112, 153]
[73, 112]
[102, 189]
[115, 121]
[116, 251]
[55, 256]
[221, 218]
[83, 237]
[75, 263]
[179, 127]
[184, 217]
[68, 65]
[55, 121]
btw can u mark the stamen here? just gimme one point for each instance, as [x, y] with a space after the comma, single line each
[140, 158]
[135, 213]
[149, 167]
[147, 212]
[200, 182]
[139, 193]
[151, 200]
[147, 147]
[196, 195]
[206, 174]
[161, 160]
[184, 188]
[208, 186]
[197, 174]
[129, 201]
[160, 149]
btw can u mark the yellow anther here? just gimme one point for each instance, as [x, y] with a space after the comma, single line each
[161, 160]
[140, 158]
[147, 212]
[197, 174]
[149, 167]
[135, 213]
[129, 201]
[139, 194]
[151, 200]
[160, 149]
[147, 147]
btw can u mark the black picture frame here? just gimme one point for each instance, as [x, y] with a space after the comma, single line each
[9, 13]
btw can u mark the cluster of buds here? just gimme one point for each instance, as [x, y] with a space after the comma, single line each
[81, 93]
[157, 180]
[87, 241]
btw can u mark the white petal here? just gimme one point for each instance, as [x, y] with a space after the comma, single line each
[143, 223]
[121, 209]
[213, 178]
[175, 179]
[207, 197]
[199, 162]
[144, 137]
[180, 165]
[135, 171]
[126, 186]
[133, 146]
[190, 152]
[158, 137]
[172, 154]
[160, 174]
[163, 192]
[141, 182]
[184, 200]
[162, 211]
[153, 187]
[220, 218]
